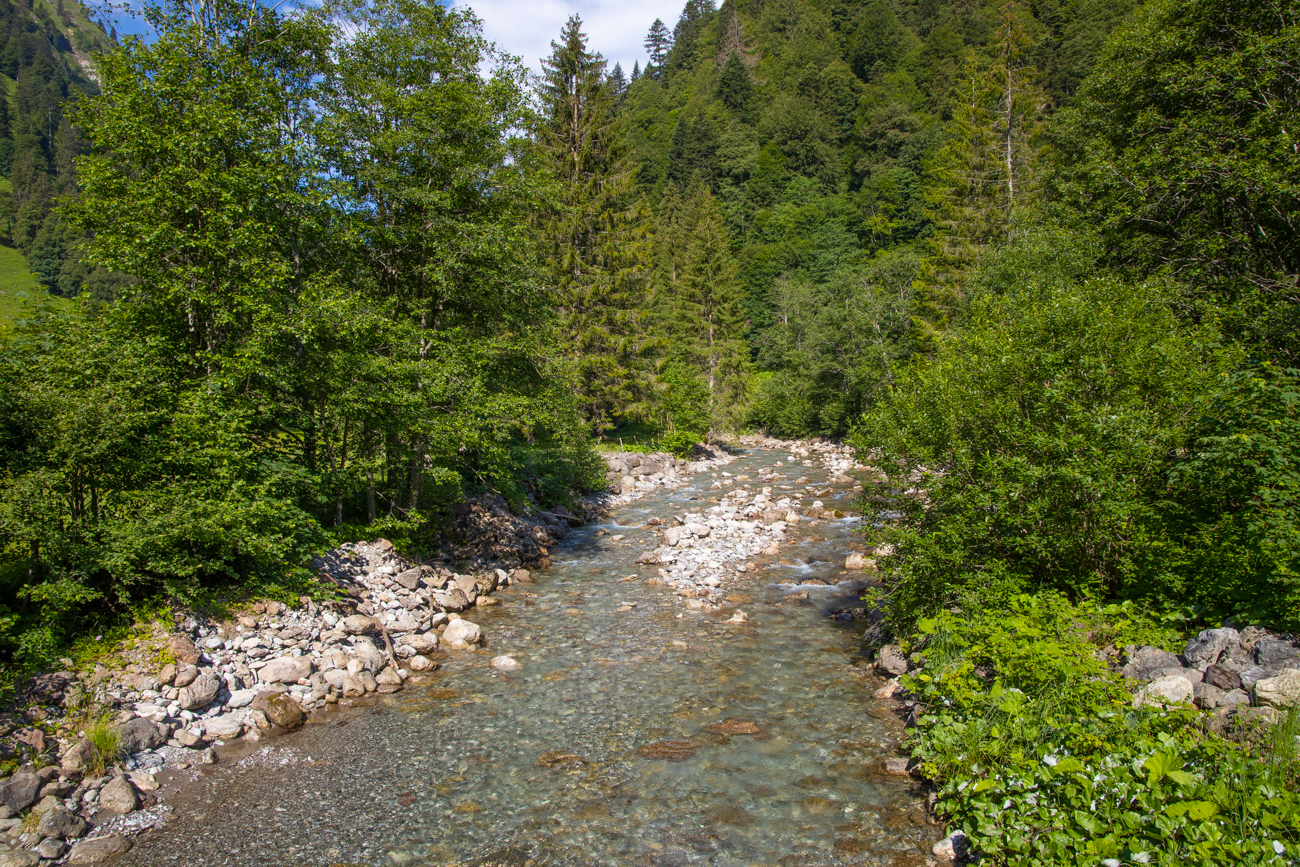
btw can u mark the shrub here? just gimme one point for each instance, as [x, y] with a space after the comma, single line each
[106, 745]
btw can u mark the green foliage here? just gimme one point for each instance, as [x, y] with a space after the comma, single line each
[1041, 758]
[106, 745]
[1181, 150]
[680, 443]
[1041, 434]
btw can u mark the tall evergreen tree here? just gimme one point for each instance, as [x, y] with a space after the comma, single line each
[592, 236]
[735, 88]
[658, 43]
[618, 81]
[636, 71]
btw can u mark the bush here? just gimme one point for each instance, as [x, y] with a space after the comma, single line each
[1041, 433]
[681, 443]
[1040, 757]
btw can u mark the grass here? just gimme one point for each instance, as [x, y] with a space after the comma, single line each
[20, 293]
[106, 743]
[632, 437]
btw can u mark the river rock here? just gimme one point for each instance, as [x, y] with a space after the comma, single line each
[358, 624]
[1280, 691]
[167, 674]
[1171, 688]
[50, 848]
[451, 599]
[505, 663]
[369, 654]
[856, 561]
[286, 669]
[410, 579]
[403, 622]
[98, 850]
[1206, 696]
[352, 686]
[139, 734]
[185, 675]
[1222, 678]
[19, 858]
[464, 631]
[200, 693]
[421, 663]
[1276, 653]
[60, 822]
[952, 847]
[183, 649]
[118, 796]
[77, 756]
[241, 698]
[20, 791]
[280, 710]
[223, 728]
[422, 643]
[388, 677]
[1145, 662]
[891, 661]
[1203, 650]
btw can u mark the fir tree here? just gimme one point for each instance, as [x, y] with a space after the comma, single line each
[636, 71]
[592, 235]
[658, 43]
[735, 88]
[617, 81]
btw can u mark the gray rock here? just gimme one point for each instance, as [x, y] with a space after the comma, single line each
[365, 650]
[410, 579]
[19, 791]
[452, 599]
[1144, 663]
[1281, 691]
[223, 728]
[185, 675]
[891, 661]
[1271, 652]
[1222, 678]
[1250, 676]
[50, 849]
[183, 649]
[19, 858]
[358, 624]
[1234, 698]
[1205, 696]
[139, 734]
[1169, 689]
[462, 630]
[60, 822]
[1203, 650]
[952, 847]
[286, 669]
[200, 693]
[241, 698]
[422, 644]
[98, 850]
[118, 795]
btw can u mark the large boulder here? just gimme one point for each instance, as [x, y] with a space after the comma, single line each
[1146, 663]
[422, 644]
[410, 579]
[118, 795]
[1171, 689]
[98, 850]
[1222, 678]
[280, 710]
[20, 791]
[1276, 653]
[1280, 691]
[891, 661]
[286, 669]
[139, 734]
[365, 650]
[200, 693]
[60, 822]
[462, 631]
[1203, 650]
[358, 624]
[225, 728]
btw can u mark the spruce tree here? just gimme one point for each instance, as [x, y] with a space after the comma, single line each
[592, 236]
[636, 71]
[658, 43]
[735, 88]
[617, 81]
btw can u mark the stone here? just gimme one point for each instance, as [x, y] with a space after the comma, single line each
[98, 850]
[410, 579]
[421, 663]
[1172, 688]
[286, 669]
[556, 758]
[223, 728]
[898, 766]
[856, 561]
[952, 847]
[358, 624]
[369, 654]
[462, 630]
[187, 738]
[183, 649]
[167, 674]
[19, 791]
[521, 576]
[1281, 691]
[140, 734]
[672, 751]
[50, 849]
[353, 687]
[891, 660]
[1271, 652]
[505, 663]
[77, 756]
[241, 698]
[185, 675]
[1203, 650]
[200, 693]
[118, 795]
[403, 622]
[389, 676]
[422, 643]
[280, 710]
[46, 804]
[1235, 698]
[61, 822]
[452, 599]
[1145, 662]
[1206, 696]
[19, 858]
[1222, 678]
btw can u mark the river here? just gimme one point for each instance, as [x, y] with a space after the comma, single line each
[562, 762]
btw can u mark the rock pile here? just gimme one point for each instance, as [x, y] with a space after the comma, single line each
[632, 472]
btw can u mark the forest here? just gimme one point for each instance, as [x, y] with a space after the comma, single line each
[1038, 262]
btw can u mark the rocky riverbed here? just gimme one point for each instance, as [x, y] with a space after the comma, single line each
[607, 710]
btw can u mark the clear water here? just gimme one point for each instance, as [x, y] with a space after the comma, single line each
[449, 772]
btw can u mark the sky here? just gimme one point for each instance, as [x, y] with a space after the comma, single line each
[526, 27]
[615, 29]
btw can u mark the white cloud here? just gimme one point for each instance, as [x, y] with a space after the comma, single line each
[615, 29]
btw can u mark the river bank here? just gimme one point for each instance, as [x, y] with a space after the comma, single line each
[727, 545]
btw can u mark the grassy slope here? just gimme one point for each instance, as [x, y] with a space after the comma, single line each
[19, 291]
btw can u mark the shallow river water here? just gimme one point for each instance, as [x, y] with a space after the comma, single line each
[553, 764]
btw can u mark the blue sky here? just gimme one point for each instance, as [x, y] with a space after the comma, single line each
[526, 27]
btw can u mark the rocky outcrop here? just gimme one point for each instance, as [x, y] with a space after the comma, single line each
[1219, 669]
